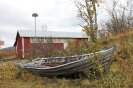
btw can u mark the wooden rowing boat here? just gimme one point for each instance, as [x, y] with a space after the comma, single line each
[54, 66]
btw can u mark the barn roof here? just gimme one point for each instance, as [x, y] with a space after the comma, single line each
[55, 34]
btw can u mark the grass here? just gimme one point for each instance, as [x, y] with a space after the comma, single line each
[119, 76]
[12, 77]
[7, 55]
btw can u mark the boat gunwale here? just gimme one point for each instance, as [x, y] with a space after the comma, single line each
[69, 63]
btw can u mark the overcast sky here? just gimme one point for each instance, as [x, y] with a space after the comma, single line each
[59, 15]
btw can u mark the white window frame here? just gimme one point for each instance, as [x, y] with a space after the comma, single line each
[37, 40]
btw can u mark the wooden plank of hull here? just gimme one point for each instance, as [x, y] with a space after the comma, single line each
[62, 69]
[68, 69]
[76, 64]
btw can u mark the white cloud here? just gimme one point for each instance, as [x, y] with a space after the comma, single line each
[59, 15]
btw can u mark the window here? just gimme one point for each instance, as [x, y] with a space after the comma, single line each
[36, 40]
[49, 40]
[40, 40]
[59, 40]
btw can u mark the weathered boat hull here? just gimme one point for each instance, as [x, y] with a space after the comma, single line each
[77, 65]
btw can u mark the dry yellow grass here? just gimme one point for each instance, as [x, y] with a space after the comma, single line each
[119, 76]
[7, 55]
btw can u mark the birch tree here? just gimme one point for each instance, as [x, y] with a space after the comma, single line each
[87, 11]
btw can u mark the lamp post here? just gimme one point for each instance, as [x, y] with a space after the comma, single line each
[35, 15]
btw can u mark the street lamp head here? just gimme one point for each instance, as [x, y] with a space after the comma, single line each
[34, 15]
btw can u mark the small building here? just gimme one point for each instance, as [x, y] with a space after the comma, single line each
[1, 43]
[26, 39]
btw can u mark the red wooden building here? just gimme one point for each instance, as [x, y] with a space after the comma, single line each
[25, 39]
[1, 43]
